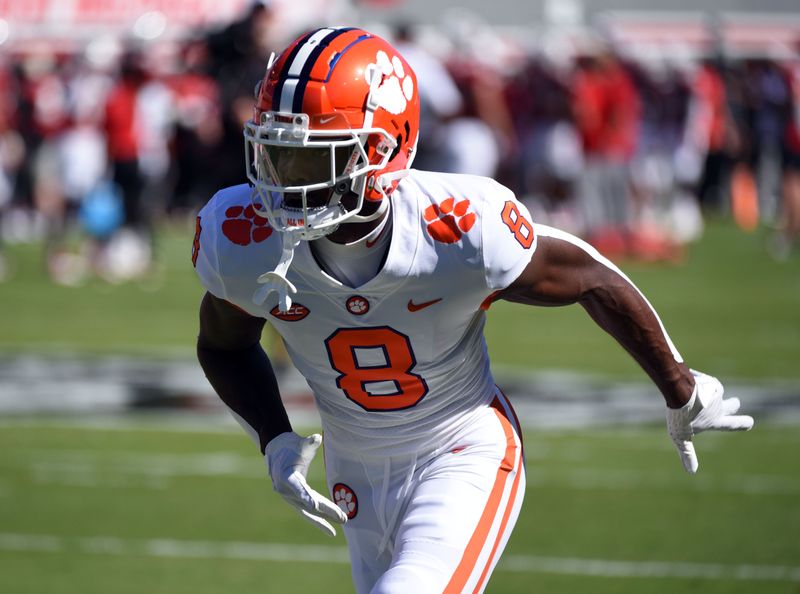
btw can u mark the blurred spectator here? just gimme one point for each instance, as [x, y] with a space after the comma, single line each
[664, 213]
[82, 162]
[712, 133]
[787, 237]
[440, 103]
[770, 106]
[198, 130]
[741, 193]
[237, 56]
[12, 155]
[46, 118]
[239, 46]
[549, 158]
[484, 120]
[606, 108]
[129, 253]
[155, 115]
[123, 134]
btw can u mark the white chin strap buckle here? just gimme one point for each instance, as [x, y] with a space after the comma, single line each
[272, 281]
[276, 280]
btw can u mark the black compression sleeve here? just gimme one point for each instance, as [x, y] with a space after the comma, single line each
[245, 381]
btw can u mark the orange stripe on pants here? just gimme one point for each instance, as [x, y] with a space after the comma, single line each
[506, 515]
[478, 541]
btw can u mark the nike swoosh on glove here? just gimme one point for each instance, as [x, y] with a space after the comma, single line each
[288, 457]
[706, 410]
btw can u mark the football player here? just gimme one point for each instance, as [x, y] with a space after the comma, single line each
[378, 278]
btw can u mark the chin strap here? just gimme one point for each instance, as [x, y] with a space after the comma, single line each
[387, 179]
[276, 280]
[382, 208]
[381, 183]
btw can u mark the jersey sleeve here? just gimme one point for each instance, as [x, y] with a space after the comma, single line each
[508, 238]
[205, 255]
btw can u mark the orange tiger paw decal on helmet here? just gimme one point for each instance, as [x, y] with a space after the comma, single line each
[449, 220]
[243, 226]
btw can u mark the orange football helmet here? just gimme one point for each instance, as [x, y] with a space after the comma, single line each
[336, 117]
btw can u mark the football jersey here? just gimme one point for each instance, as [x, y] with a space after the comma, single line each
[402, 357]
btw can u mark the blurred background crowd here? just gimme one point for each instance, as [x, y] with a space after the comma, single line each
[628, 130]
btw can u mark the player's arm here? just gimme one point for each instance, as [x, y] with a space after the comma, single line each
[566, 270]
[230, 353]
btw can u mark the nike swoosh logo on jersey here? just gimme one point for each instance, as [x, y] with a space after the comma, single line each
[369, 243]
[418, 306]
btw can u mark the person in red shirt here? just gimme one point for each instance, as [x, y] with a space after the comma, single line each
[606, 111]
[123, 139]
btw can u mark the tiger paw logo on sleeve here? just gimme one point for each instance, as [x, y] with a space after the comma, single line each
[244, 226]
[449, 220]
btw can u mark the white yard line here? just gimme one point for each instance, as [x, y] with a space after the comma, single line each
[281, 552]
[592, 479]
[212, 423]
[650, 569]
[219, 463]
[44, 543]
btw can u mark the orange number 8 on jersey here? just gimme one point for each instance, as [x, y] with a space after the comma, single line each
[519, 225]
[379, 356]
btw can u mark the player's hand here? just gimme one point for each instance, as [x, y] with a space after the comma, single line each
[705, 410]
[288, 457]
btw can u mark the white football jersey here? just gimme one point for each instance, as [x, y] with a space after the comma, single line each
[402, 357]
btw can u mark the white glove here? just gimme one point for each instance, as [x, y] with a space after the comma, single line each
[288, 457]
[705, 410]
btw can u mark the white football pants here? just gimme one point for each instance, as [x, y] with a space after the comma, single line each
[434, 525]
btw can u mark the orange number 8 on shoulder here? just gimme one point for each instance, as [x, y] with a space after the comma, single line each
[518, 224]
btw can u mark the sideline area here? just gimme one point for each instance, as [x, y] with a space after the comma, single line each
[34, 384]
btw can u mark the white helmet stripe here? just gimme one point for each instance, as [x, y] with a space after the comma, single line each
[287, 95]
[296, 67]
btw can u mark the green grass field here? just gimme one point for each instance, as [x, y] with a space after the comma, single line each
[148, 507]
[145, 507]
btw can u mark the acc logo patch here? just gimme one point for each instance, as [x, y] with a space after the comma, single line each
[449, 220]
[357, 305]
[346, 499]
[196, 243]
[295, 313]
[243, 226]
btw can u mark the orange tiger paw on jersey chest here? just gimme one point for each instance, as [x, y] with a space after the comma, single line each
[449, 220]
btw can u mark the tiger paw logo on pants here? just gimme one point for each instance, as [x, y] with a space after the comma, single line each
[346, 499]
[448, 221]
[244, 226]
